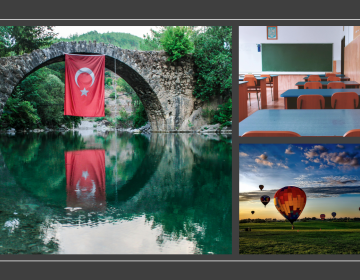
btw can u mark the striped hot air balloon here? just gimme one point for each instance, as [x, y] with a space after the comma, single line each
[333, 214]
[265, 199]
[261, 187]
[290, 202]
[322, 216]
[252, 212]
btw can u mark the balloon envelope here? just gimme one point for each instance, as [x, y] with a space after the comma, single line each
[261, 187]
[322, 216]
[333, 214]
[265, 199]
[252, 212]
[290, 202]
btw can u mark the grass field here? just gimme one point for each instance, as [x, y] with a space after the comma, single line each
[306, 238]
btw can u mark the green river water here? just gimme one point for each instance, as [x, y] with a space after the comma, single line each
[86, 193]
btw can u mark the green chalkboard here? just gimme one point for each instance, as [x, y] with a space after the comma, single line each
[297, 57]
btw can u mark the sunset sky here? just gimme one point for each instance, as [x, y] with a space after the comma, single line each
[328, 173]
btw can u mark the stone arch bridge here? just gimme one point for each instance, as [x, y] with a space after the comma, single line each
[165, 88]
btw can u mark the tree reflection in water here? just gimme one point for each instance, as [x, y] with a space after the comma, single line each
[180, 183]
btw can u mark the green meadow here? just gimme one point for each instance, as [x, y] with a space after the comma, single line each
[311, 237]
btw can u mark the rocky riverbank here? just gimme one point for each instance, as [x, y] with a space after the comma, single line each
[105, 125]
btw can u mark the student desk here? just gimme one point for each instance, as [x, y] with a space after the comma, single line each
[304, 122]
[243, 112]
[348, 84]
[323, 75]
[273, 80]
[325, 78]
[291, 95]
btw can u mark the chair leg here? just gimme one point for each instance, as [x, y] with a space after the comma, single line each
[272, 98]
[249, 99]
[258, 100]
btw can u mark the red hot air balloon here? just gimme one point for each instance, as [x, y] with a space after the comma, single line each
[252, 212]
[290, 202]
[333, 214]
[265, 199]
[261, 187]
[322, 216]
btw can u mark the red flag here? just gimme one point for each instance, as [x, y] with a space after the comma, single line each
[84, 85]
[85, 179]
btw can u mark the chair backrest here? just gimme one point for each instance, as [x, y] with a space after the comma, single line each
[352, 133]
[336, 85]
[267, 78]
[344, 100]
[251, 81]
[249, 75]
[330, 74]
[311, 101]
[333, 79]
[270, 134]
[313, 85]
[314, 78]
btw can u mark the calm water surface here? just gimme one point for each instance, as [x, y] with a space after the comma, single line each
[85, 193]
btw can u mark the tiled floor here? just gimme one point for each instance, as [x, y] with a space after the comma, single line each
[279, 104]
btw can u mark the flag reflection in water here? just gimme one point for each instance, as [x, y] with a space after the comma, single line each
[85, 179]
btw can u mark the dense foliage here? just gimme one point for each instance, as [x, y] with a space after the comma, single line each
[17, 40]
[176, 41]
[224, 113]
[121, 40]
[213, 61]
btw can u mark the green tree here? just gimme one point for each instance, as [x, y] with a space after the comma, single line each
[151, 41]
[177, 42]
[213, 62]
[25, 39]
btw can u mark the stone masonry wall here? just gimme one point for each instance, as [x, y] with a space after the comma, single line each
[164, 88]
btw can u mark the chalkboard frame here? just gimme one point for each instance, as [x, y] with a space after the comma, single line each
[310, 69]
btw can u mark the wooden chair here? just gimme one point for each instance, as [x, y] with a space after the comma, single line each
[311, 101]
[352, 133]
[268, 83]
[252, 87]
[270, 134]
[344, 100]
[336, 85]
[313, 85]
[314, 78]
[330, 74]
[333, 79]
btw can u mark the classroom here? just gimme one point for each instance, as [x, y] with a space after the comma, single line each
[299, 81]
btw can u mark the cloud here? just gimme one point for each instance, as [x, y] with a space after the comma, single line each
[306, 161]
[340, 146]
[312, 192]
[241, 154]
[310, 168]
[282, 165]
[289, 151]
[262, 159]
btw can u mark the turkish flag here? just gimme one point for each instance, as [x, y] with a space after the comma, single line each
[85, 179]
[84, 85]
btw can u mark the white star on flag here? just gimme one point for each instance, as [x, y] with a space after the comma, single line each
[84, 92]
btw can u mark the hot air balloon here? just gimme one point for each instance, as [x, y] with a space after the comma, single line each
[290, 202]
[261, 187]
[252, 212]
[322, 216]
[265, 199]
[333, 214]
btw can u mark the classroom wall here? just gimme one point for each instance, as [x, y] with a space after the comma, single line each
[352, 60]
[250, 36]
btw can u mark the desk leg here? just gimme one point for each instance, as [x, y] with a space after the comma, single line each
[276, 92]
[243, 112]
[263, 94]
[285, 102]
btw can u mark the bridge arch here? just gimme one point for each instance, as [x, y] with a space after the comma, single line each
[164, 88]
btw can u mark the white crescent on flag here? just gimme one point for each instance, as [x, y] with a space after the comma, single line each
[84, 70]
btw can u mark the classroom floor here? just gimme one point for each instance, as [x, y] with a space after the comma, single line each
[279, 104]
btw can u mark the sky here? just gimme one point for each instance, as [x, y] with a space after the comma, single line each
[328, 173]
[66, 31]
